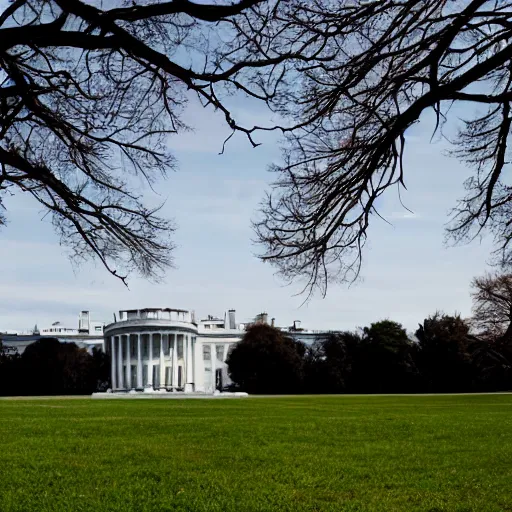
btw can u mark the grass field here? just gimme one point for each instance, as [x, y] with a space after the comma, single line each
[284, 454]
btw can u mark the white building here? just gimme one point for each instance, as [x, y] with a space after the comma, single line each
[166, 349]
[87, 334]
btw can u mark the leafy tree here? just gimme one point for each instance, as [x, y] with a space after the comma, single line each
[266, 361]
[493, 362]
[102, 369]
[49, 368]
[444, 355]
[383, 361]
[9, 369]
[328, 363]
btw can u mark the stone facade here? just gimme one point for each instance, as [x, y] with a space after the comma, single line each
[167, 350]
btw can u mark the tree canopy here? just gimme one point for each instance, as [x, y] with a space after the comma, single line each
[383, 362]
[266, 361]
[89, 91]
[328, 363]
[444, 354]
[49, 367]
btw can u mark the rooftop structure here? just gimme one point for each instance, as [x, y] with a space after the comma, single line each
[87, 334]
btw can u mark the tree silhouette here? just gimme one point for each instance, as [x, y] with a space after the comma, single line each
[492, 306]
[89, 93]
[88, 96]
[383, 361]
[445, 353]
[266, 361]
[328, 363]
[379, 66]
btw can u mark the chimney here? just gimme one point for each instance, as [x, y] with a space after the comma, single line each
[264, 318]
[84, 322]
[273, 322]
[296, 325]
[231, 315]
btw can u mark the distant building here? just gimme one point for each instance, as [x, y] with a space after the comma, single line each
[87, 334]
[167, 349]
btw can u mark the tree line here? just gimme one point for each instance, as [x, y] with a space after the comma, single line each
[49, 367]
[446, 353]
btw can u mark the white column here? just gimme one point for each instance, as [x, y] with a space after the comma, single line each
[199, 373]
[174, 361]
[120, 363]
[128, 363]
[193, 340]
[185, 357]
[139, 362]
[214, 365]
[188, 364]
[113, 362]
[150, 362]
[162, 367]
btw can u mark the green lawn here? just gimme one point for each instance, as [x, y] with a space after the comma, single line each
[304, 453]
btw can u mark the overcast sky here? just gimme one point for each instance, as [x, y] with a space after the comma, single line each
[407, 272]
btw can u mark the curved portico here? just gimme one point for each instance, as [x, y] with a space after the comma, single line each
[152, 350]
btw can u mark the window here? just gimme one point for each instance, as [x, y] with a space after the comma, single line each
[207, 356]
[165, 344]
[98, 328]
[168, 376]
[145, 375]
[145, 346]
[133, 346]
[220, 352]
[207, 326]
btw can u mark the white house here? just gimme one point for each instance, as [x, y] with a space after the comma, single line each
[166, 349]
